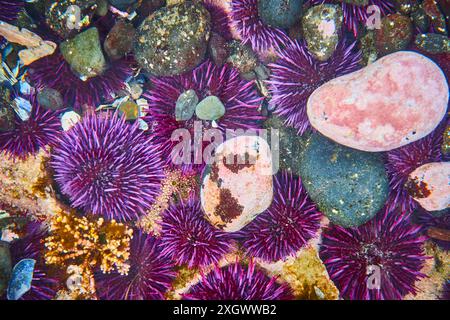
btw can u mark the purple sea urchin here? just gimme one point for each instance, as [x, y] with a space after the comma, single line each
[9, 9]
[31, 246]
[239, 97]
[388, 245]
[54, 72]
[296, 74]
[220, 21]
[188, 238]
[287, 225]
[245, 19]
[41, 129]
[107, 167]
[149, 277]
[237, 282]
[356, 15]
[402, 161]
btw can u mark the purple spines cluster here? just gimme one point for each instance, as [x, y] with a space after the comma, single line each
[402, 161]
[108, 167]
[220, 21]
[296, 74]
[28, 137]
[291, 220]
[380, 260]
[31, 246]
[9, 9]
[239, 97]
[188, 238]
[436, 225]
[252, 30]
[238, 282]
[357, 16]
[149, 277]
[54, 72]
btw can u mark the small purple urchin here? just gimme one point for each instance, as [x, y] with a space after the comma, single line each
[237, 282]
[296, 74]
[28, 137]
[108, 167]
[245, 19]
[388, 243]
[357, 15]
[402, 161]
[188, 238]
[9, 9]
[150, 276]
[286, 226]
[239, 97]
[54, 72]
[31, 246]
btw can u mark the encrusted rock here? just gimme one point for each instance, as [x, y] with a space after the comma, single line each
[50, 99]
[280, 13]
[395, 34]
[238, 185]
[433, 43]
[321, 27]
[433, 10]
[349, 186]
[119, 40]
[429, 185]
[173, 40]
[84, 54]
[398, 99]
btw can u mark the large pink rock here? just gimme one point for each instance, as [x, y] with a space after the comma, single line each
[429, 185]
[398, 99]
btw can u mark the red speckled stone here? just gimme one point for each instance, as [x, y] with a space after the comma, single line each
[429, 185]
[398, 99]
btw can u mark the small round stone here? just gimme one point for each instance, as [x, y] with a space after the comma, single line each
[349, 186]
[185, 105]
[50, 99]
[280, 13]
[130, 109]
[210, 108]
[173, 40]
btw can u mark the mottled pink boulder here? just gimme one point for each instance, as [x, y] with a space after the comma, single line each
[239, 184]
[429, 185]
[398, 99]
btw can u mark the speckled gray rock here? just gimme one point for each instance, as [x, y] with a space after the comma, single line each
[280, 13]
[185, 105]
[173, 40]
[433, 43]
[321, 27]
[84, 54]
[349, 186]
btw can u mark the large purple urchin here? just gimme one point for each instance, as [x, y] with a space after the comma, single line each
[388, 245]
[28, 137]
[355, 16]
[54, 72]
[296, 74]
[150, 276]
[286, 226]
[245, 19]
[220, 21]
[9, 9]
[108, 167]
[31, 246]
[402, 161]
[188, 238]
[237, 282]
[239, 97]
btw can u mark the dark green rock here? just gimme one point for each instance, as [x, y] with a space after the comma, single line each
[433, 43]
[349, 186]
[280, 13]
[5, 266]
[421, 19]
[84, 54]
[173, 40]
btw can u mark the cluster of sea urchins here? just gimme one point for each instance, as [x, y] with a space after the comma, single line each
[111, 167]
